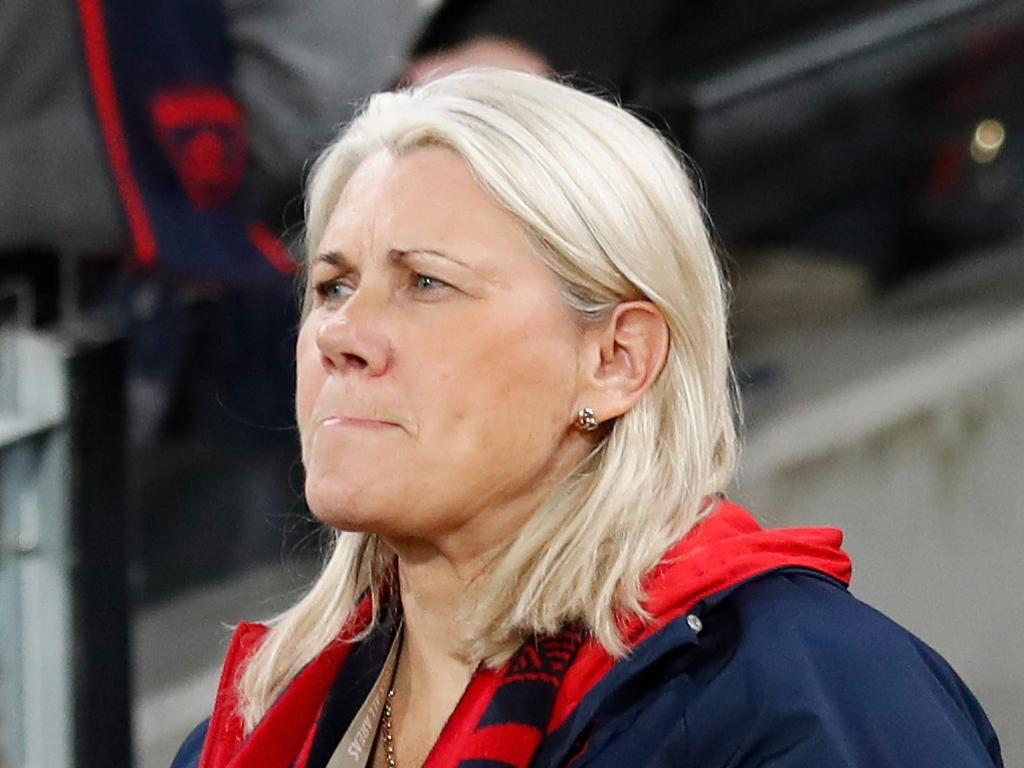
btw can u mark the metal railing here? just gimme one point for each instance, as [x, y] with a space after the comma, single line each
[35, 601]
[65, 682]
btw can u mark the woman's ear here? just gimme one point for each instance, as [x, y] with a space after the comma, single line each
[628, 352]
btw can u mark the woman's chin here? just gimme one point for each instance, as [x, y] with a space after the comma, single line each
[339, 504]
[355, 508]
[346, 518]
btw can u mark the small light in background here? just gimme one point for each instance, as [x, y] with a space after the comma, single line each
[989, 137]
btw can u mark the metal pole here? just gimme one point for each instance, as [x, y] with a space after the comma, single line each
[99, 585]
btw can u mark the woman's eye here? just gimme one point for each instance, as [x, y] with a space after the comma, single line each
[332, 290]
[428, 283]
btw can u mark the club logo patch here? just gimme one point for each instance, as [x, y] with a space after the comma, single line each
[202, 130]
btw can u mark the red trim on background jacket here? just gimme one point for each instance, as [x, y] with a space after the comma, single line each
[161, 76]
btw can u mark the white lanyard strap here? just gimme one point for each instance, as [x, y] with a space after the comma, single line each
[353, 751]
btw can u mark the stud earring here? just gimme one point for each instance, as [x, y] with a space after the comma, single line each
[586, 420]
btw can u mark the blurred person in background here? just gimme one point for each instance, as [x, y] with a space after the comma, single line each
[610, 43]
[171, 136]
[293, 68]
[154, 147]
[515, 410]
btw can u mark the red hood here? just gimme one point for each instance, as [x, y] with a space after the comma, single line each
[726, 549]
[730, 547]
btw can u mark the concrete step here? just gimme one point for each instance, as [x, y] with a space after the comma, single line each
[179, 646]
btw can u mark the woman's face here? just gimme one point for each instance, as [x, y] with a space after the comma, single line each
[438, 370]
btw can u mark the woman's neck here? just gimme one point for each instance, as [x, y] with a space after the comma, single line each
[434, 595]
[432, 673]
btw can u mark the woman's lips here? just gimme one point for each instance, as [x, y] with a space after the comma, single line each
[351, 421]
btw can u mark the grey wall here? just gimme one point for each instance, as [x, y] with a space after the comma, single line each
[906, 429]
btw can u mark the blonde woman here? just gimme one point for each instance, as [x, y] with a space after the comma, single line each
[514, 406]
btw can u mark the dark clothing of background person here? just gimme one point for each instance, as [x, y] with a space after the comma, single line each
[604, 42]
[299, 68]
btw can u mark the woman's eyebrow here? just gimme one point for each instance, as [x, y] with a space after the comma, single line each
[398, 256]
[401, 254]
[333, 258]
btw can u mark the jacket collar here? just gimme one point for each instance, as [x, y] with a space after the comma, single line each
[726, 550]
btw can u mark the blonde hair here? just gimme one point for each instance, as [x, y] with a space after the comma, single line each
[612, 212]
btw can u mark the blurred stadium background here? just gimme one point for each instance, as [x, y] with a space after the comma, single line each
[862, 162]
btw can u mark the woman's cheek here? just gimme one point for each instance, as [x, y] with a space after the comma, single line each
[305, 401]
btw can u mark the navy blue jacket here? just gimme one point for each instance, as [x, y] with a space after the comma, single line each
[782, 669]
[789, 671]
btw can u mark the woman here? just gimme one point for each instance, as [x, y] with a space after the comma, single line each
[514, 407]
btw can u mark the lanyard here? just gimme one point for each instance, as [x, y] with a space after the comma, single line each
[353, 751]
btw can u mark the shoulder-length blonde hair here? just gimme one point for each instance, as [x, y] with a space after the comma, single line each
[612, 213]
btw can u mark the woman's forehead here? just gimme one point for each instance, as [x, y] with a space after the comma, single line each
[423, 199]
[427, 178]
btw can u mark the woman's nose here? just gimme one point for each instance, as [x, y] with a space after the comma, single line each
[350, 342]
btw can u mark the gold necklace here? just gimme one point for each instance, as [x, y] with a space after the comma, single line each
[387, 730]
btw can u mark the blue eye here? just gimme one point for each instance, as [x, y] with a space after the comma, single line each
[332, 290]
[428, 283]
